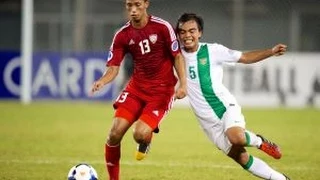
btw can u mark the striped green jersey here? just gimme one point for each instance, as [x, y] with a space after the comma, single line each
[207, 95]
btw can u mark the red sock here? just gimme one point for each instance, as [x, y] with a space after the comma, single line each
[112, 157]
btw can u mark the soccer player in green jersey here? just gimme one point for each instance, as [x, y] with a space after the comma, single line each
[215, 107]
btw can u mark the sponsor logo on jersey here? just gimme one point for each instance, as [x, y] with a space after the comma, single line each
[131, 42]
[203, 61]
[153, 38]
[175, 45]
[110, 55]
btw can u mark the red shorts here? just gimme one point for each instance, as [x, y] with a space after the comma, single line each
[151, 109]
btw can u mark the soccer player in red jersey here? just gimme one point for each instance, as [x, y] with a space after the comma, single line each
[149, 94]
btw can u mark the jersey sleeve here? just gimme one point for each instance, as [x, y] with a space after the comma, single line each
[117, 50]
[226, 55]
[171, 39]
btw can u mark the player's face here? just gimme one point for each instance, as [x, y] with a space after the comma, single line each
[137, 9]
[189, 35]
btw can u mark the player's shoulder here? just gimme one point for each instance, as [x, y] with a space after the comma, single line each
[215, 46]
[123, 28]
[209, 45]
[159, 21]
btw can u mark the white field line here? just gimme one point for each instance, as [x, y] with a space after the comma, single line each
[214, 165]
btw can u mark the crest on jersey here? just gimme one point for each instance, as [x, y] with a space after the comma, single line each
[153, 38]
[175, 45]
[203, 61]
[110, 55]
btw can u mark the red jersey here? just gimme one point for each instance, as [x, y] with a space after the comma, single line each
[153, 49]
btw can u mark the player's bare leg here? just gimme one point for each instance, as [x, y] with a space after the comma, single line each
[236, 136]
[142, 134]
[242, 137]
[113, 149]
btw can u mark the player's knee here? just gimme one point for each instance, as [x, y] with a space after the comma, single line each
[236, 136]
[237, 139]
[142, 136]
[114, 137]
[138, 136]
[142, 133]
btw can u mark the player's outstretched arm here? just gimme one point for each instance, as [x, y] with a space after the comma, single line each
[259, 55]
[179, 65]
[108, 76]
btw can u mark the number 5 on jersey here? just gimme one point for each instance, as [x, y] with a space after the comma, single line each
[192, 72]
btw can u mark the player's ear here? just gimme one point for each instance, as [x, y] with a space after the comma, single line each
[146, 3]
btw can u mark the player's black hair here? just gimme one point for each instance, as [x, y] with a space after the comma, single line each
[188, 17]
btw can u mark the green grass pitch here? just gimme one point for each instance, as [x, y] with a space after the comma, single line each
[42, 141]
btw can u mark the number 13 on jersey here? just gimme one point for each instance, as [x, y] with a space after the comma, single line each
[144, 46]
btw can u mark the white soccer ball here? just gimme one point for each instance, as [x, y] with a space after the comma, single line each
[82, 172]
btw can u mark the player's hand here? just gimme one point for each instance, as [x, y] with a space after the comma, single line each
[96, 87]
[279, 49]
[181, 92]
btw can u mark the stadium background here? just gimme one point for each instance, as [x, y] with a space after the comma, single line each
[71, 37]
[80, 25]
